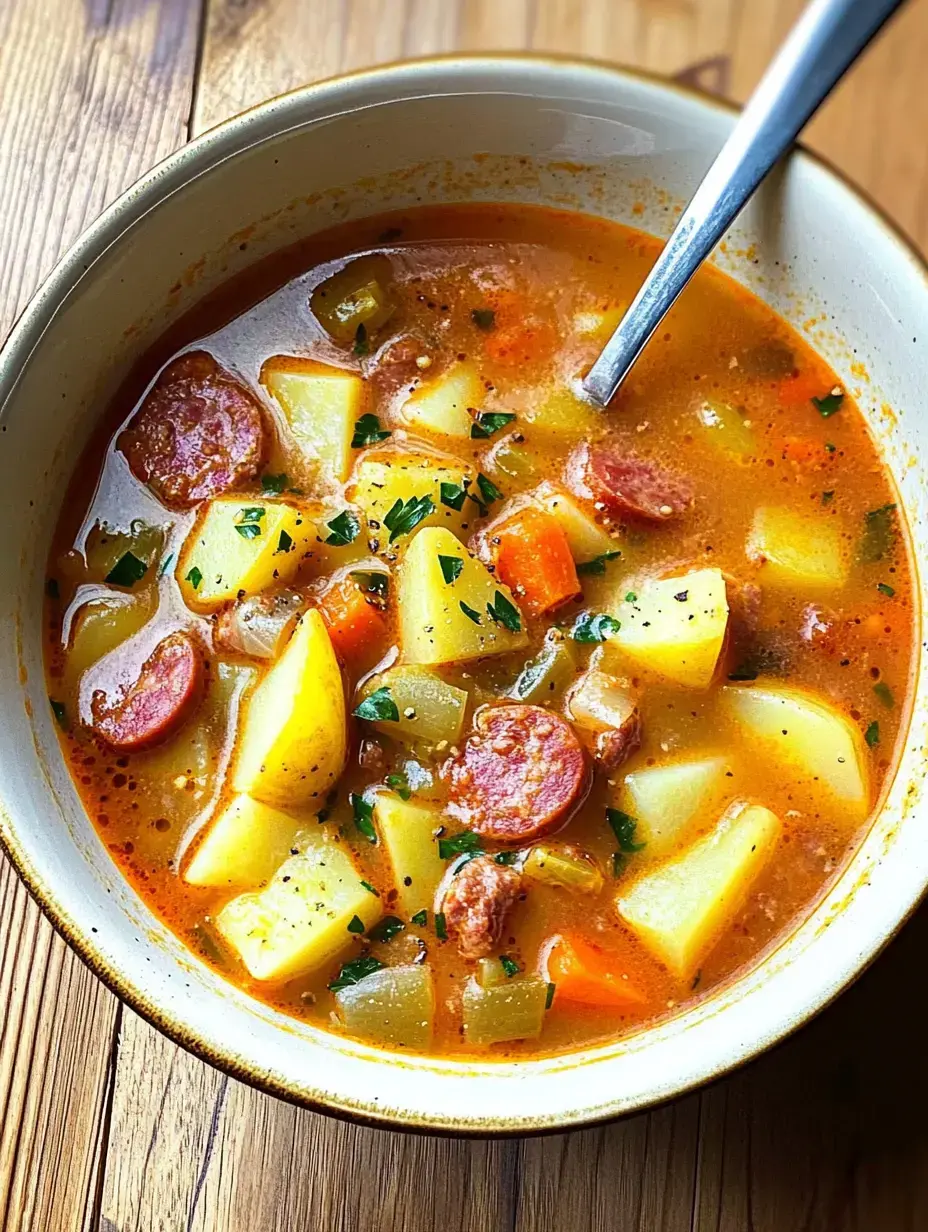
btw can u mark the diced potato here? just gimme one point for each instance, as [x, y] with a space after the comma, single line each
[244, 845]
[802, 731]
[586, 537]
[665, 799]
[679, 909]
[513, 461]
[600, 702]
[437, 708]
[103, 623]
[434, 626]
[300, 921]
[679, 638]
[511, 1011]
[407, 830]
[394, 1006]
[292, 748]
[380, 482]
[445, 403]
[726, 428]
[555, 864]
[560, 414]
[242, 544]
[322, 405]
[356, 296]
[552, 671]
[798, 549]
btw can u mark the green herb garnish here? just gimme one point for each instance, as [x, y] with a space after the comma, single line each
[420, 919]
[470, 613]
[165, 564]
[594, 627]
[356, 925]
[828, 497]
[441, 930]
[387, 929]
[361, 342]
[127, 571]
[549, 996]
[879, 533]
[488, 423]
[504, 613]
[194, 577]
[363, 812]
[355, 971]
[378, 707]
[829, 405]
[509, 965]
[59, 710]
[483, 318]
[872, 734]
[885, 589]
[284, 543]
[343, 529]
[465, 843]
[402, 518]
[623, 827]
[367, 431]
[488, 489]
[506, 857]
[597, 566]
[884, 693]
[400, 784]
[451, 567]
[370, 889]
[829, 447]
[631, 597]
[373, 583]
[453, 495]
[274, 484]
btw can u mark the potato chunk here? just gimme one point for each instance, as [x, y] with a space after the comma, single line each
[445, 619]
[798, 549]
[321, 404]
[445, 404]
[394, 1006]
[586, 538]
[665, 799]
[430, 710]
[244, 845]
[799, 730]
[383, 480]
[301, 919]
[676, 626]
[679, 909]
[293, 743]
[242, 544]
[408, 833]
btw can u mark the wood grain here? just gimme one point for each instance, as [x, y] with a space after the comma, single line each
[90, 96]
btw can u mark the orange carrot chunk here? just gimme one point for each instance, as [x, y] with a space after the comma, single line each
[357, 627]
[587, 976]
[533, 558]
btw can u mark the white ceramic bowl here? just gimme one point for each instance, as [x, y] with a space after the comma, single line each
[498, 128]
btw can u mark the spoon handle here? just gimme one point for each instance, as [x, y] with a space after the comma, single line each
[823, 44]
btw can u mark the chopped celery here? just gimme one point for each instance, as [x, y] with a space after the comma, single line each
[430, 710]
[392, 1006]
[568, 867]
[513, 461]
[511, 1011]
[354, 303]
[550, 673]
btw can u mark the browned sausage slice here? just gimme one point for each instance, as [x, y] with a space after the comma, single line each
[621, 484]
[520, 775]
[476, 905]
[197, 434]
[157, 702]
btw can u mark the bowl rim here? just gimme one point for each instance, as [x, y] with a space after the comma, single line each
[200, 156]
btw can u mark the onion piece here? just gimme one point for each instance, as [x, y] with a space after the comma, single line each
[259, 625]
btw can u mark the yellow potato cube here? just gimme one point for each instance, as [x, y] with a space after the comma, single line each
[407, 831]
[675, 627]
[243, 846]
[242, 544]
[446, 404]
[300, 921]
[798, 549]
[679, 909]
[321, 404]
[293, 743]
[665, 799]
[586, 538]
[383, 480]
[797, 729]
[445, 619]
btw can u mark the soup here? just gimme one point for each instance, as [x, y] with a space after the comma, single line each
[428, 703]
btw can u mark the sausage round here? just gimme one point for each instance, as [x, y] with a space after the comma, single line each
[520, 775]
[621, 484]
[197, 434]
[157, 702]
[477, 902]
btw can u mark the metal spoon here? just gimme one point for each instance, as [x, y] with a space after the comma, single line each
[821, 47]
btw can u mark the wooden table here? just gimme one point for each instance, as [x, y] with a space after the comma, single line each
[105, 1125]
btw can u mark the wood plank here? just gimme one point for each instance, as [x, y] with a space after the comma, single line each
[91, 95]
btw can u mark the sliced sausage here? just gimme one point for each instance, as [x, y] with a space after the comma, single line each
[476, 905]
[621, 484]
[520, 775]
[157, 702]
[197, 434]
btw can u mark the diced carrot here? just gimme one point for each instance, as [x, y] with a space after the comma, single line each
[356, 626]
[805, 450]
[801, 388]
[533, 558]
[585, 975]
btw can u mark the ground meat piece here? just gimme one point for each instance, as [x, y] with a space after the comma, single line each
[477, 902]
[395, 365]
[615, 746]
[744, 600]
[520, 775]
[198, 433]
[622, 485]
[157, 702]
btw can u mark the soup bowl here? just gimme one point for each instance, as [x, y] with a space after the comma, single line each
[535, 130]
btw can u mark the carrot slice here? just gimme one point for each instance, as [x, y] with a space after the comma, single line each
[356, 626]
[534, 559]
[587, 976]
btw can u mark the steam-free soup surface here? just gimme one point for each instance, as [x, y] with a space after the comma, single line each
[431, 705]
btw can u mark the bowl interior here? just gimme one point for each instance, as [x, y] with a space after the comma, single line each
[537, 131]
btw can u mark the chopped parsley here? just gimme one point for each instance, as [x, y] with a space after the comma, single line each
[441, 930]
[402, 518]
[249, 523]
[488, 423]
[597, 566]
[504, 613]
[363, 812]
[829, 447]
[194, 577]
[284, 543]
[631, 597]
[594, 627]
[370, 889]
[343, 529]
[274, 484]
[879, 533]
[882, 690]
[872, 734]
[623, 827]
[453, 494]
[488, 489]
[549, 996]
[362, 344]
[509, 965]
[378, 707]
[451, 567]
[387, 929]
[372, 583]
[828, 497]
[465, 843]
[367, 431]
[400, 784]
[355, 971]
[127, 571]
[165, 564]
[483, 318]
[506, 857]
[470, 613]
[60, 712]
[829, 405]
[356, 925]
[885, 589]
[420, 919]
